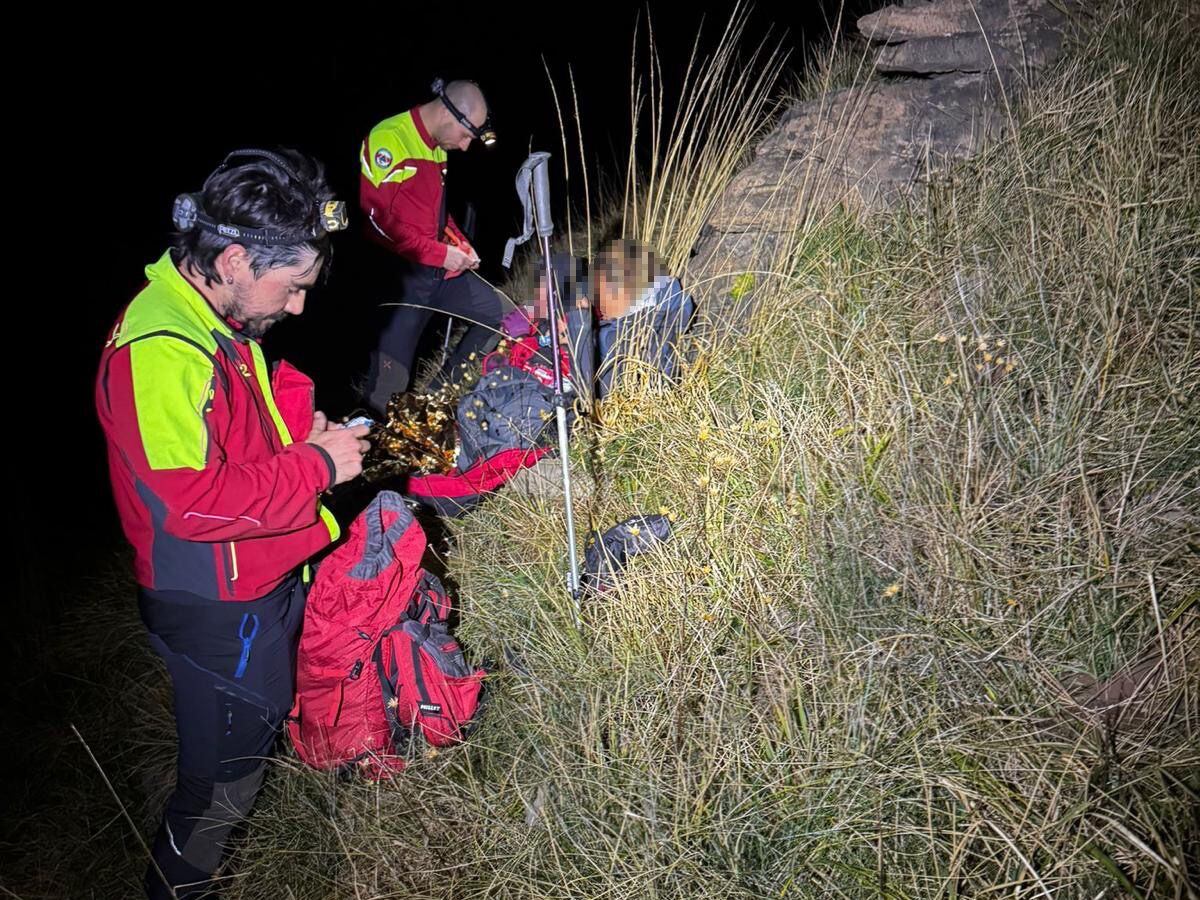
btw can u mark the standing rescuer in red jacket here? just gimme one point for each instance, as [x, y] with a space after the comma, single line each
[217, 468]
[429, 264]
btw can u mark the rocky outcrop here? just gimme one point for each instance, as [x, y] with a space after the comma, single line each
[945, 73]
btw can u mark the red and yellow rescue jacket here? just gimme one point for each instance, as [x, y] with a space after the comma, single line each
[402, 190]
[215, 488]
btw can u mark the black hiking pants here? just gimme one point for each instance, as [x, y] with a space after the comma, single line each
[233, 669]
[424, 290]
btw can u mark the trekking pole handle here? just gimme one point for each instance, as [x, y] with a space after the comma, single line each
[541, 193]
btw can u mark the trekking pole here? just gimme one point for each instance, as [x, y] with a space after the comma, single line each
[545, 228]
[533, 179]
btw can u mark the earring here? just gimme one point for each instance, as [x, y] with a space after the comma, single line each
[229, 279]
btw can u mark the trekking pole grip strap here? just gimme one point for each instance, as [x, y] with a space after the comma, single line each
[541, 193]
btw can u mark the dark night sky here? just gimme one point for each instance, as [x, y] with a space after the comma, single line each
[138, 121]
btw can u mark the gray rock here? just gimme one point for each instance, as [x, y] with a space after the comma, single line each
[971, 53]
[946, 18]
[867, 147]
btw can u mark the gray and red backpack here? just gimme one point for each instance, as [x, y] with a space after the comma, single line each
[377, 668]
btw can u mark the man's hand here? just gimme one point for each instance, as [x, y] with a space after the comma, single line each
[320, 423]
[345, 447]
[457, 260]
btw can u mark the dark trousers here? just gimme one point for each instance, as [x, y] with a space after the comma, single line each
[422, 291]
[233, 669]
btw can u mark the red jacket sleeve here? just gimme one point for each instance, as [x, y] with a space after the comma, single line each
[184, 448]
[402, 211]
